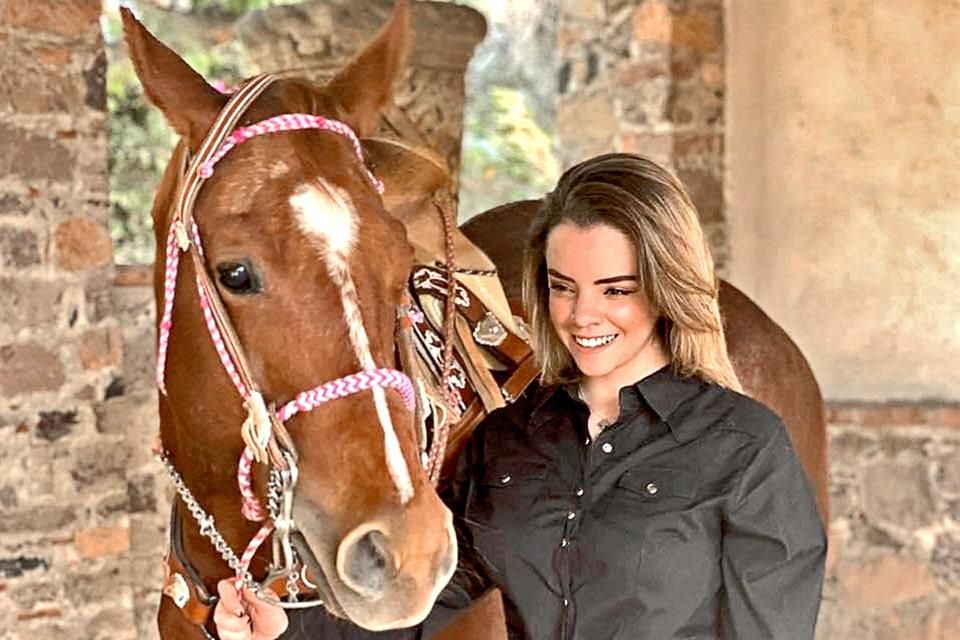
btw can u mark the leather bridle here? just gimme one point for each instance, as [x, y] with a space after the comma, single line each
[264, 432]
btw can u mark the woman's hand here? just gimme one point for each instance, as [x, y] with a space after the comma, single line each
[243, 616]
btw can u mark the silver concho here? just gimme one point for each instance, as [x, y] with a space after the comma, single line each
[177, 590]
[489, 332]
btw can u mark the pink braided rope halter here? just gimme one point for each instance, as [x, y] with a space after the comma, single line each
[184, 233]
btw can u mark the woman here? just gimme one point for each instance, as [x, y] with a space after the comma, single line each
[635, 493]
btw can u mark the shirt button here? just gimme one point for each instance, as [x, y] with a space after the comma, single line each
[606, 447]
[580, 492]
[652, 488]
[505, 478]
[564, 543]
[571, 515]
[566, 602]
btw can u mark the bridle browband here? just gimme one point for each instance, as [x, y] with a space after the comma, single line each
[265, 436]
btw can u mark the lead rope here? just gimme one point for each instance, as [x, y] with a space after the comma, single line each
[450, 397]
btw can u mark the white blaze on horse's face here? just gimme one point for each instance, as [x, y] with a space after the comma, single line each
[326, 213]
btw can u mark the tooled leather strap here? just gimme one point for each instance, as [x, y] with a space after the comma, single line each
[185, 587]
[433, 282]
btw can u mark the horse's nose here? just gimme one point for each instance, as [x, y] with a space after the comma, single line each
[364, 561]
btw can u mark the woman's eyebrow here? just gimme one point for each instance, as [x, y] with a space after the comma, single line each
[559, 276]
[615, 279]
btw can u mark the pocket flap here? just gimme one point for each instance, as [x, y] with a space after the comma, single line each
[659, 482]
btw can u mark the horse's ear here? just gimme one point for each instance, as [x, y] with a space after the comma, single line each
[189, 104]
[365, 86]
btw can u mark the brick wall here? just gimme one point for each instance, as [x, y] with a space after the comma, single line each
[67, 495]
[647, 76]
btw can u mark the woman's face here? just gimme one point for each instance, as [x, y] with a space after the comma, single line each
[597, 307]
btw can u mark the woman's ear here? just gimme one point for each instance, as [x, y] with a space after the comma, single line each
[188, 103]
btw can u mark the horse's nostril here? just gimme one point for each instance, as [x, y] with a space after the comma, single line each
[367, 564]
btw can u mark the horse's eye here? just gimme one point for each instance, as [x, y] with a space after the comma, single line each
[238, 277]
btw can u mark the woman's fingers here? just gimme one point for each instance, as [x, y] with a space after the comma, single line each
[243, 616]
[231, 618]
[269, 621]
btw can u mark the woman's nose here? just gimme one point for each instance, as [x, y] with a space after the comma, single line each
[585, 311]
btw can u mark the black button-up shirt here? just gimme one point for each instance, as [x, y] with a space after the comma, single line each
[690, 517]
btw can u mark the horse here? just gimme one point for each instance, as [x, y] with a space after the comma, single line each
[309, 292]
[280, 351]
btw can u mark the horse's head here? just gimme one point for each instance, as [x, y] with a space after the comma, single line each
[310, 268]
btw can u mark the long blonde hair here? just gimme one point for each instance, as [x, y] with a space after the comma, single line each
[675, 269]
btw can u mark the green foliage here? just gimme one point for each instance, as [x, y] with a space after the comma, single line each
[140, 141]
[507, 155]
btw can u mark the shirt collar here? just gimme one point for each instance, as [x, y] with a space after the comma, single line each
[664, 391]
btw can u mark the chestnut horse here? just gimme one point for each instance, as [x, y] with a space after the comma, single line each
[291, 276]
[769, 364]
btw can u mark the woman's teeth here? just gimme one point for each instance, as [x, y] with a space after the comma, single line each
[592, 343]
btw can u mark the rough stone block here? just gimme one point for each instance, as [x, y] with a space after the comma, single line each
[148, 536]
[582, 10]
[30, 302]
[691, 105]
[53, 425]
[32, 157]
[99, 585]
[17, 566]
[696, 27]
[142, 494]
[97, 298]
[847, 447]
[101, 348]
[113, 623]
[31, 595]
[898, 492]
[66, 17]
[46, 518]
[29, 367]
[140, 358]
[96, 542]
[98, 463]
[133, 415]
[948, 472]
[11, 204]
[95, 83]
[19, 248]
[706, 191]
[885, 581]
[82, 243]
[588, 118]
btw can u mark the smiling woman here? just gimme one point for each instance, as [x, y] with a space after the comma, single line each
[636, 493]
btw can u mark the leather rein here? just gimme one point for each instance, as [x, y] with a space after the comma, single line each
[265, 436]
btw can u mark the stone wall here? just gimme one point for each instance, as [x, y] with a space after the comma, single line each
[82, 504]
[647, 76]
[316, 40]
[67, 493]
[893, 568]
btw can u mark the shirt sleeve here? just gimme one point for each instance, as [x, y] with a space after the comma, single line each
[471, 578]
[774, 550]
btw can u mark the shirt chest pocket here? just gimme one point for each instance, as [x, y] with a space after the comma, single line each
[656, 490]
[505, 494]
